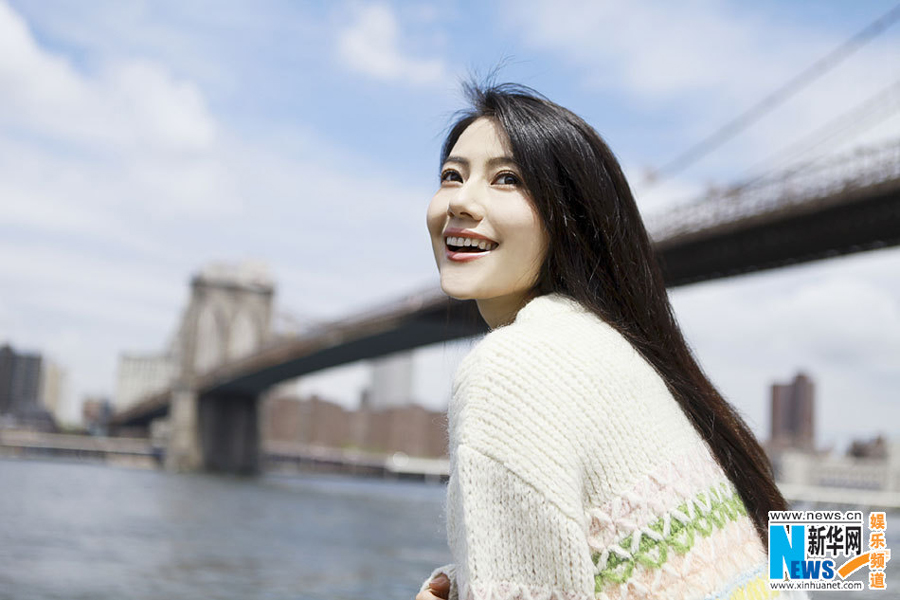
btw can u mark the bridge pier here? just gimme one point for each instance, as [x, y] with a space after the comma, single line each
[213, 432]
[183, 449]
[229, 435]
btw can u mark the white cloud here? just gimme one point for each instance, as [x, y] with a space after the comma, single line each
[820, 318]
[371, 45]
[839, 320]
[707, 62]
[653, 199]
[129, 104]
[115, 183]
[654, 49]
[128, 134]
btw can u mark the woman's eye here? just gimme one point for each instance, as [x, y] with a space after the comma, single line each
[507, 179]
[449, 175]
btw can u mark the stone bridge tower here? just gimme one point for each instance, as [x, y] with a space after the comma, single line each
[229, 315]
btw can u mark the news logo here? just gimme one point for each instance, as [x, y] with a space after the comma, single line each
[820, 550]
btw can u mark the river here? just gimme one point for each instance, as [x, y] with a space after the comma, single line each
[91, 531]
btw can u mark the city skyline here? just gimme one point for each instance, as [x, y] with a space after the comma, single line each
[138, 143]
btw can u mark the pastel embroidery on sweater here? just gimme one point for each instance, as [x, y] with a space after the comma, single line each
[674, 532]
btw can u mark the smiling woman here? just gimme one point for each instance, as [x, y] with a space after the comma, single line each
[590, 457]
[488, 239]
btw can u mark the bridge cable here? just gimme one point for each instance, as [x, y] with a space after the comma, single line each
[861, 118]
[756, 112]
[864, 116]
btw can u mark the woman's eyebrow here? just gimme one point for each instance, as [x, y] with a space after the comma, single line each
[491, 162]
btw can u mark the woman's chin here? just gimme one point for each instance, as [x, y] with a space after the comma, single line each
[459, 291]
[458, 295]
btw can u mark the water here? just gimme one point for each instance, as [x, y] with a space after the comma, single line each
[90, 531]
[83, 531]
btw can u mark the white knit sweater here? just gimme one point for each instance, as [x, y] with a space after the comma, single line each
[574, 474]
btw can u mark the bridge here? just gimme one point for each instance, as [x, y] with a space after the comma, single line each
[848, 204]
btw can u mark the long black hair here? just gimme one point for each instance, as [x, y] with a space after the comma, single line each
[600, 255]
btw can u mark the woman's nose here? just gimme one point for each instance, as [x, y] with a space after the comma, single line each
[466, 201]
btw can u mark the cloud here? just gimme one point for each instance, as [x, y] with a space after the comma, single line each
[707, 62]
[839, 320]
[127, 105]
[371, 45]
[654, 200]
[118, 180]
[130, 132]
[648, 48]
[817, 317]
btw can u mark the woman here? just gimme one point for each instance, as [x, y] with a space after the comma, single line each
[590, 456]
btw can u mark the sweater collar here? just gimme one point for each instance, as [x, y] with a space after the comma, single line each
[548, 304]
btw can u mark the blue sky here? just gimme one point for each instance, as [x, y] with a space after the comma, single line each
[141, 140]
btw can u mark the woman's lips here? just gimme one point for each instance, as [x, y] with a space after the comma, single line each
[465, 256]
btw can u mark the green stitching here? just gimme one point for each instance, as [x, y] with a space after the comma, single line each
[654, 553]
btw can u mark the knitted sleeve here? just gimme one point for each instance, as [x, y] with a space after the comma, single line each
[515, 519]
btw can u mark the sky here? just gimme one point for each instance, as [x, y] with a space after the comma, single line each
[140, 141]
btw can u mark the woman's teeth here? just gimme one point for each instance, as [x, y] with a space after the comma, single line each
[469, 244]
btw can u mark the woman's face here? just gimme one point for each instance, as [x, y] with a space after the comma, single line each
[482, 199]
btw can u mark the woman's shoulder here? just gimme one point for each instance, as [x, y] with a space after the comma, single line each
[559, 376]
[555, 368]
[551, 334]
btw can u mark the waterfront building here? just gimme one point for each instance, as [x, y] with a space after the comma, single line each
[820, 470]
[410, 429]
[141, 375]
[95, 414]
[51, 388]
[391, 381]
[20, 381]
[793, 415]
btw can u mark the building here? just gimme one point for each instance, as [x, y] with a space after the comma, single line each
[95, 413]
[30, 389]
[876, 448]
[411, 429]
[52, 387]
[141, 375]
[311, 421]
[391, 381]
[20, 381]
[816, 470]
[793, 415]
